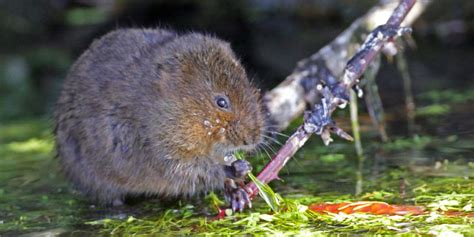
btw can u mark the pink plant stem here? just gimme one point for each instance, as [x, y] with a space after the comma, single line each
[271, 170]
[354, 70]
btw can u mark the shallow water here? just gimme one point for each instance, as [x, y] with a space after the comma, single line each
[35, 198]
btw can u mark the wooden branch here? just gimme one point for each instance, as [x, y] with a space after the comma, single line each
[290, 98]
[333, 93]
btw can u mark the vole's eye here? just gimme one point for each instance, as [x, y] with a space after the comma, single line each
[222, 102]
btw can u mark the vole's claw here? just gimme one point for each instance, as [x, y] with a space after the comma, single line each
[229, 186]
[240, 200]
[236, 195]
[247, 199]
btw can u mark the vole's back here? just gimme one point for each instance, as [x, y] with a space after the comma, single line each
[96, 115]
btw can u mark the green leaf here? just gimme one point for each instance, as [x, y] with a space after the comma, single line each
[272, 199]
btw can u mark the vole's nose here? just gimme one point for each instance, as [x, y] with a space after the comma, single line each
[250, 139]
[245, 134]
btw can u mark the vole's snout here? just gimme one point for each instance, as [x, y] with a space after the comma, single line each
[253, 138]
[248, 140]
[243, 135]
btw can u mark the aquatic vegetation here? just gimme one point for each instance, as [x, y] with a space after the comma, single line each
[296, 217]
[443, 206]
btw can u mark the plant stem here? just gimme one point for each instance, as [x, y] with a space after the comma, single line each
[409, 101]
[357, 143]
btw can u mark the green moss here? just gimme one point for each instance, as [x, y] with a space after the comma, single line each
[433, 110]
[23, 130]
[417, 142]
[332, 158]
[295, 218]
[448, 96]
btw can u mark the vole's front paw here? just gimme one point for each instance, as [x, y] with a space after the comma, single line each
[236, 195]
[239, 169]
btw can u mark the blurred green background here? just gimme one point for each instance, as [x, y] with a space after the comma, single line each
[40, 39]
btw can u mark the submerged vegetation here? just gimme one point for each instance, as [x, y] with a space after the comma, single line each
[439, 101]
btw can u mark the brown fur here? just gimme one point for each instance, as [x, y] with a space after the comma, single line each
[137, 115]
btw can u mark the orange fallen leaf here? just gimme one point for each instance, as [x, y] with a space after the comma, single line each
[369, 207]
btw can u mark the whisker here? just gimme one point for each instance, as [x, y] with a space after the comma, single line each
[273, 139]
[263, 148]
[269, 137]
[274, 132]
[268, 146]
[279, 133]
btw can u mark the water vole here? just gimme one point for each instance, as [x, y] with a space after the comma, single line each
[154, 112]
